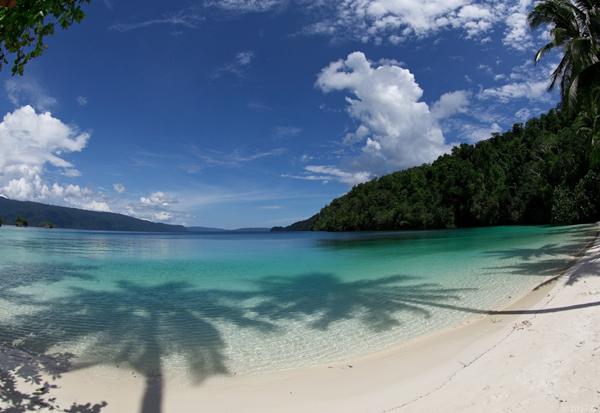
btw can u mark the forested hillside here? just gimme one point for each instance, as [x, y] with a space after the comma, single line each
[546, 171]
[39, 215]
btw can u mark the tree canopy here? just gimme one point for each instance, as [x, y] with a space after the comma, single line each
[537, 173]
[575, 29]
[24, 25]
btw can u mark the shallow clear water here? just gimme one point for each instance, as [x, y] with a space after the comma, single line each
[238, 303]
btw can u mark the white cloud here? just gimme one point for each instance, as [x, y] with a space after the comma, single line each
[162, 216]
[330, 173]
[474, 133]
[183, 18]
[450, 104]
[524, 82]
[535, 90]
[82, 100]
[396, 129]
[232, 159]
[158, 199]
[119, 188]
[99, 206]
[247, 6]
[397, 20]
[523, 114]
[33, 142]
[27, 91]
[70, 173]
[156, 206]
[517, 33]
[237, 67]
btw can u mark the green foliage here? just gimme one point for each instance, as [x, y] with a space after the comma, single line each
[563, 206]
[39, 215]
[23, 28]
[575, 29]
[21, 222]
[537, 173]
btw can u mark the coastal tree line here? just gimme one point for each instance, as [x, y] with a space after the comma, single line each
[544, 171]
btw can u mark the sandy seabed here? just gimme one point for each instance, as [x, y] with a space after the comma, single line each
[541, 354]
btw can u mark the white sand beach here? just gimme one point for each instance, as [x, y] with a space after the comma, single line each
[539, 355]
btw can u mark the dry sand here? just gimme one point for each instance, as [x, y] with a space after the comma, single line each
[542, 354]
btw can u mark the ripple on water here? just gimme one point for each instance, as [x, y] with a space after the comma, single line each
[206, 306]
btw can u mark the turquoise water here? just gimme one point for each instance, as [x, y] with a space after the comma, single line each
[210, 304]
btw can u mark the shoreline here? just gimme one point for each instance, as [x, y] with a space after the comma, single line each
[409, 375]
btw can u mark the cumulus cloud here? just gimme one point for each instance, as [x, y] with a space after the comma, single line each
[33, 142]
[397, 20]
[396, 129]
[30, 140]
[157, 199]
[450, 104]
[156, 206]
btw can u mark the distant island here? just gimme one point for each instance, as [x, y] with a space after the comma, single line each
[542, 172]
[35, 214]
[221, 230]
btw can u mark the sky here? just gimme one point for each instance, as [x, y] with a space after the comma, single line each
[257, 113]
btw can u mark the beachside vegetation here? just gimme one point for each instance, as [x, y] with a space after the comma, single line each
[543, 171]
[21, 222]
[575, 30]
[24, 25]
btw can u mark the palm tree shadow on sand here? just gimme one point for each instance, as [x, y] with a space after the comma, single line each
[138, 326]
[135, 326]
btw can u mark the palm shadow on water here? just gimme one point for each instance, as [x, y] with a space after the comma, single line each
[138, 326]
[14, 275]
[325, 299]
[551, 259]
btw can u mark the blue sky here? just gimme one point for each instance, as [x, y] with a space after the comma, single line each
[234, 113]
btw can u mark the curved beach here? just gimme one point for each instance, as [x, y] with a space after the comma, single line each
[537, 355]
